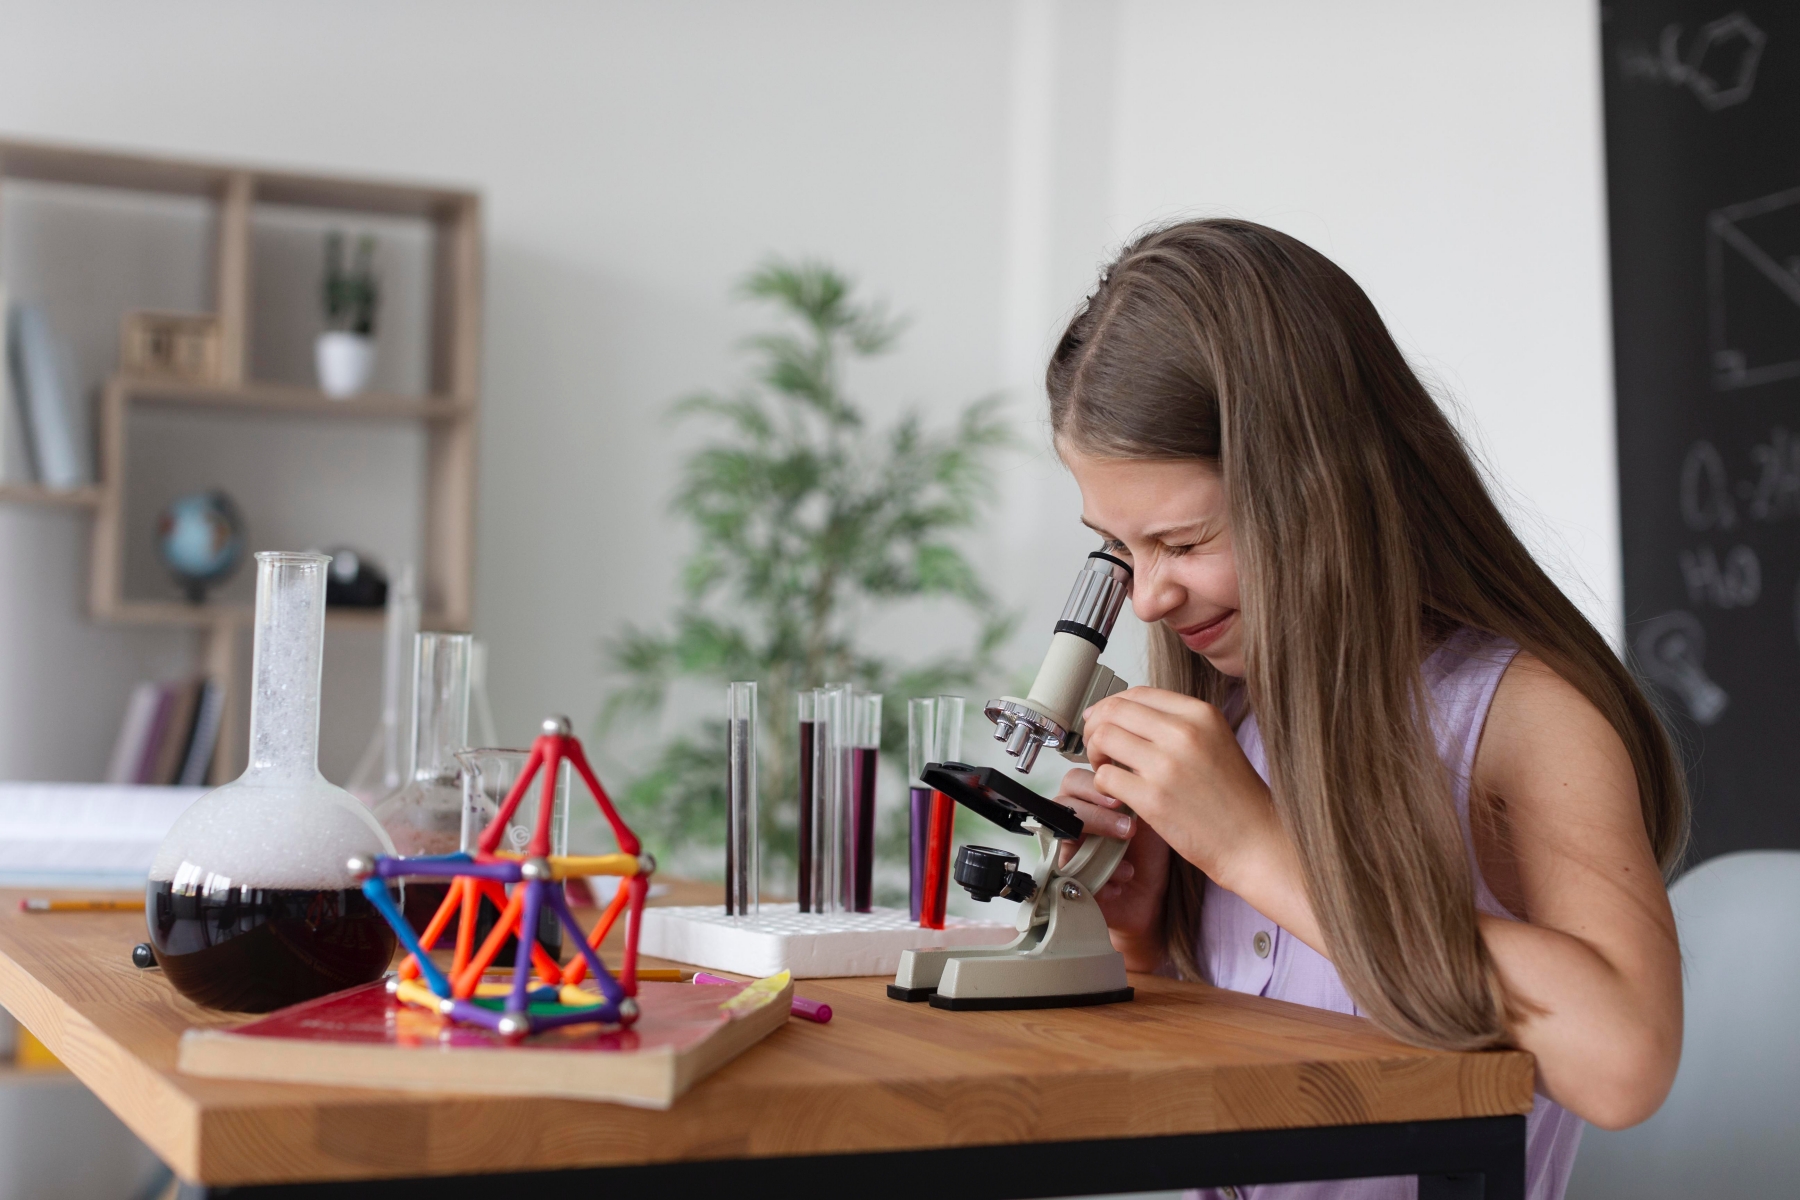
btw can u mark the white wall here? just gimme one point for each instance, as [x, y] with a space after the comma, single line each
[970, 162]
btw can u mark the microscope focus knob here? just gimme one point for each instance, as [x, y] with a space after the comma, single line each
[986, 873]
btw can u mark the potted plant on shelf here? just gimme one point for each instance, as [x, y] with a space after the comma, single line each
[345, 353]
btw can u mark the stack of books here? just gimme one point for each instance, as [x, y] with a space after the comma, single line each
[169, 733]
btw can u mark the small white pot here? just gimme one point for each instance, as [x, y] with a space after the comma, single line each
[345, 361]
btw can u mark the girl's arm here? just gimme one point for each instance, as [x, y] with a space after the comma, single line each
[1593, 971]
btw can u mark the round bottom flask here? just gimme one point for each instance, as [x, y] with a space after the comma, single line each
[251, 905]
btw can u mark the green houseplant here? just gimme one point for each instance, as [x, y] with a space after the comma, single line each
[808, 518]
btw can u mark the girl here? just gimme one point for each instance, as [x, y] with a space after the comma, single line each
[1384, 766]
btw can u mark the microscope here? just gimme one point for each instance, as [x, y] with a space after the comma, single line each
[1062, 955]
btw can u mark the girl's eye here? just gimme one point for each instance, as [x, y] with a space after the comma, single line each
[1177, 551]
[1112, 546]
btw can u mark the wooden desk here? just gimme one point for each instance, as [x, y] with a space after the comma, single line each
[1185, 1086]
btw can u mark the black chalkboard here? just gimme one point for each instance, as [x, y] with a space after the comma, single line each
[1703, 180]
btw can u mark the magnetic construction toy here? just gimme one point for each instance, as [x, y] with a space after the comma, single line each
[526, 1004]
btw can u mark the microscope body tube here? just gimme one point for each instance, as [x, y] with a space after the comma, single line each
[1071, 677]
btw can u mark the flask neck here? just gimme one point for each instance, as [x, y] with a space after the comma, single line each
[288, 652]
[440, 704]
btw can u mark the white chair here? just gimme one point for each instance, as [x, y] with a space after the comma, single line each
[1731, 1126]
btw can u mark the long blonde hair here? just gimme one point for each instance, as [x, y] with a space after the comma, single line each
[1364, 536]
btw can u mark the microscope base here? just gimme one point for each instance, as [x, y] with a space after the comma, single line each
[1080, 1000]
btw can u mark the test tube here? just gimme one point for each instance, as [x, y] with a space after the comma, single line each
[827, 702]
[921, 745]
[865, 754]
[742, 878]
[806, 841]
[840, 831]
[947, 743]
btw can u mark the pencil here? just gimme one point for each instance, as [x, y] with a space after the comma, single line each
[36, 905]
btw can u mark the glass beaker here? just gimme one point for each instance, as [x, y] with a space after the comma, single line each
[425, 816]
[488, 774]
[251, 904]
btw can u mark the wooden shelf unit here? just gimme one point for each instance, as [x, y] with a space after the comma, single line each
[35, 493]
[448, 412]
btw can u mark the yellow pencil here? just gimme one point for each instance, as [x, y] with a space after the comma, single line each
[35, 905]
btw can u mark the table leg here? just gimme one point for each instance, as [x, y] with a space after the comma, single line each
[1478, 1158]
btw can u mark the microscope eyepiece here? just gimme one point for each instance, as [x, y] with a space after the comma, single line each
[1100, 591]
[986, 873]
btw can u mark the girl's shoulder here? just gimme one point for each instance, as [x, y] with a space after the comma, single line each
[1543, 737]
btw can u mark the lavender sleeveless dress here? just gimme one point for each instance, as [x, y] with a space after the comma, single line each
[1242, 950]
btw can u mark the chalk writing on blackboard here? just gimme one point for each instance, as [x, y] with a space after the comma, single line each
[1734, 583]
[1719, 66]
[1671, 651]
[1753, 290]
[1705, 490]
[1711, 501]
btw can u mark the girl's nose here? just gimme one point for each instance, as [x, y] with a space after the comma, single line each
[1154, 596]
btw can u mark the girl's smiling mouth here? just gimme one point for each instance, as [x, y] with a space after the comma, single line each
[1198, 637]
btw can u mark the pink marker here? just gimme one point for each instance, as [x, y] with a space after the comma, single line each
[812, 1010]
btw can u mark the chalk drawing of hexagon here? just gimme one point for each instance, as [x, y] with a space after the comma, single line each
[1720, 67]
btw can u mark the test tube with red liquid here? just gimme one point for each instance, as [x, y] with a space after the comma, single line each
[946, 747]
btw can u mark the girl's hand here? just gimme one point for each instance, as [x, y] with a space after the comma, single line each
[1176, 762]
[1132, 900]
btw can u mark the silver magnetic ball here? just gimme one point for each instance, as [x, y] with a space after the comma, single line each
[447, 1007]
[393, 984]
[535, 868]
[646, 864]
[1071, 891]
[558, 726]
[359, 867]
[628, 1009]
[511, 1026]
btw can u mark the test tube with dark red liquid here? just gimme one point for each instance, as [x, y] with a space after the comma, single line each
[743, 878]
[947, 743]
[812, 744]
[921, 741]
[865, 754]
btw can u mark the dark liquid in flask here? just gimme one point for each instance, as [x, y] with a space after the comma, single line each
[421, 901]
[249, 949]
[549, 933]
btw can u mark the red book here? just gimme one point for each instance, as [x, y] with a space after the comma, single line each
[362, 1037]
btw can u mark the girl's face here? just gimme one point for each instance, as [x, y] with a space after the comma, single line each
[1168, 519]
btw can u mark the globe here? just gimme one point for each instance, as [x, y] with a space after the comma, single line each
[200, 539]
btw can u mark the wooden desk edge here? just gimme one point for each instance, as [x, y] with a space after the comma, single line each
[312, 1134]
[130, 1087]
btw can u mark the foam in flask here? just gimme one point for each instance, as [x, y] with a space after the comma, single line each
[251, 905]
